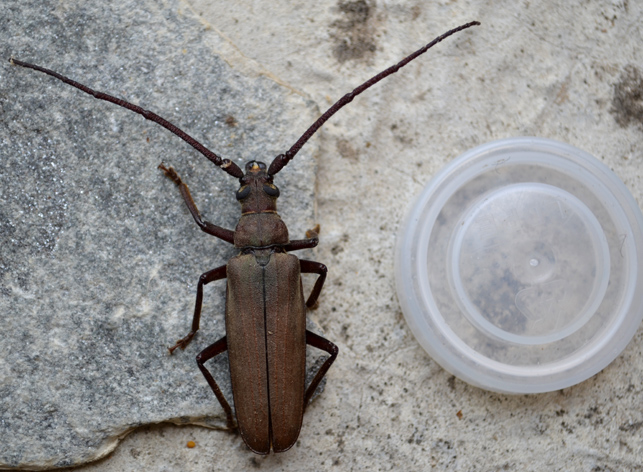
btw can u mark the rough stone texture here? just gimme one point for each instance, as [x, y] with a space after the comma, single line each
[552, 69]
[99, 256]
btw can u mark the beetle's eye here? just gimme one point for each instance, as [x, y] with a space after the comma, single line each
[271, 190]
[243, 192]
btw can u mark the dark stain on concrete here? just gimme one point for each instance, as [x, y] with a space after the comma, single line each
[354, 32]
[627, 101]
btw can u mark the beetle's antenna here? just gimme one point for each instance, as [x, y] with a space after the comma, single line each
[282, 159]
[226, 164]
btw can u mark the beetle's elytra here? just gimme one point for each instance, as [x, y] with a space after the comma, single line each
[266, 334]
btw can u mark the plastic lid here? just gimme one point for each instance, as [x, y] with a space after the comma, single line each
[519, 267]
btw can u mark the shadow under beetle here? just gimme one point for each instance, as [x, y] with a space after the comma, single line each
[265, 317]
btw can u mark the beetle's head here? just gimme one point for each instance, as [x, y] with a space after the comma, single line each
[257, 193]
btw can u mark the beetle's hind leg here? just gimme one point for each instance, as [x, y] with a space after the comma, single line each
[324, 344]
[208, 353]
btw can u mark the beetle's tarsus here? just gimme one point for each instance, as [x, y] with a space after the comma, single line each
[314, 306]
[182, 343]
[177, 345]
[171, 173]
[313, 233]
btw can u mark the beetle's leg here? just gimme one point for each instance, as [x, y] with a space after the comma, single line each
[221, 233]
[210, 276]
[208, 353]
[324, 344]
[311, 267]
[312, 239]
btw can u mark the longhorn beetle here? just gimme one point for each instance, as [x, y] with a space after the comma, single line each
[265, 317]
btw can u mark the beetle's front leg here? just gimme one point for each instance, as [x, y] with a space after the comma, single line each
[210, 276]
[312, 267]
[221, 233]
[312, 239]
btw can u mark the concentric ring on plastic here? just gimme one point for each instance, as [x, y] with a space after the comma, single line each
[519, 266]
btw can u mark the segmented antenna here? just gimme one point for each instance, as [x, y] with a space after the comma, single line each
[230, 167]
[282, 159]
[226, 164]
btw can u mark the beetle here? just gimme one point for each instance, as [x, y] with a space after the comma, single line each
[265, 313]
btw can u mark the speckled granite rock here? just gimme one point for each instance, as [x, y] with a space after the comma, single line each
[99, 257]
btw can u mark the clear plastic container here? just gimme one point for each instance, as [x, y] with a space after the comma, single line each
[519, 267]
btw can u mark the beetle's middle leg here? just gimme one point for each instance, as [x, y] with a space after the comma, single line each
[208, 353]
[312, 267]
[210, 276]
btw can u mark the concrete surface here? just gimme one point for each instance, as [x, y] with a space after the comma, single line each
[551, 69]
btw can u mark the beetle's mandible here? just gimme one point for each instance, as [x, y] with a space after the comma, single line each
[265, 314]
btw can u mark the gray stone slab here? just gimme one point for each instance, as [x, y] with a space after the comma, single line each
[99, 257]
